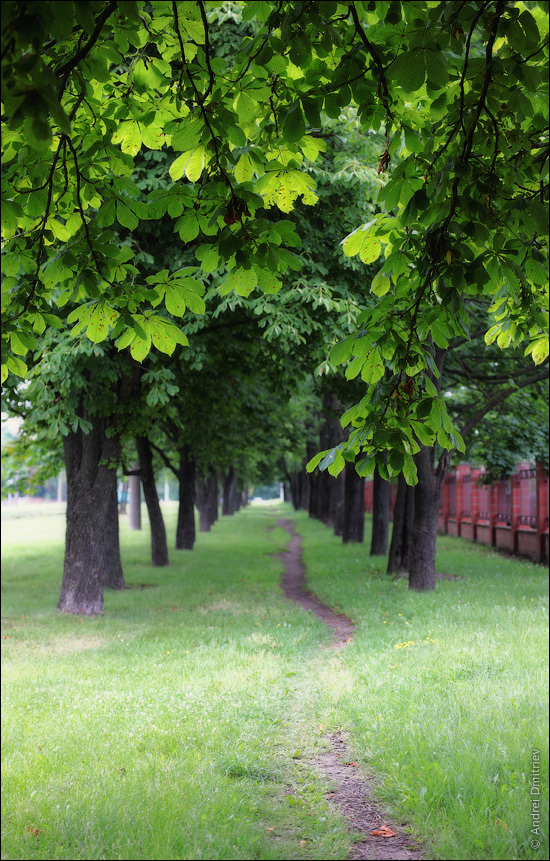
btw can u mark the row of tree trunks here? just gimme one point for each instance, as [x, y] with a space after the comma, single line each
[235, 496]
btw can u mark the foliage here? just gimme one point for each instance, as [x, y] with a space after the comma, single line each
[457, 90]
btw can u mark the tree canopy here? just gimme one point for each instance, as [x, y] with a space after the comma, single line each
[235, 102]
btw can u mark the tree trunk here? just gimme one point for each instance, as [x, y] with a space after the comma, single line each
[426, 511]
[354, 506]
[403, 519]
[134, 504]
[229, 482]
[380, 515]
[92, 551]
[114, 578]
[201, 500]
[159, 546]
[185, 531]
[206, 499]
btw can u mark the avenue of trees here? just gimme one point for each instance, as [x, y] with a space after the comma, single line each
[241, 238]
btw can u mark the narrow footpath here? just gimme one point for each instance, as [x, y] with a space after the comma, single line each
[352, 793]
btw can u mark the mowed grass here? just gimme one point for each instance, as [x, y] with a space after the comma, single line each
[185, 723]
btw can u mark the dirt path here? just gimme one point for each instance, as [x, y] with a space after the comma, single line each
[352, 793]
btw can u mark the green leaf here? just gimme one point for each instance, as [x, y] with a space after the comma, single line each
[408, 71]
[371, 250]
[244, 169]
[341, 352]
[17, 345]
[141, 347]
[188, 226]
[373, 369]
[354, 368]
[424, 434]
[338, 464]
[242, 281]
[190, 163]
[409, 471]
[125, 216]
[294, 125]
[16, 366]
[380, 284]
[539, 350]
[366, 466]
[316, 460]
[101, 318]
[436, 68]
[186, 138]
[125, 339]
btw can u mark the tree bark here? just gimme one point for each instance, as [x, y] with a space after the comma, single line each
[380, 515]
[201, 499]
[426, 510]
[403, 519]
[206, 498]
[354, 506]
[159, 546]
[229, 483]
[92, 550]
[185, 530]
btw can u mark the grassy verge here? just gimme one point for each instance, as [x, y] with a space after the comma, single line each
[445, 694]
[168, 728]
[183, 724]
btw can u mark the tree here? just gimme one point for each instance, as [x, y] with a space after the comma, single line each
[485, 392]
[458, 92]
[78, 393]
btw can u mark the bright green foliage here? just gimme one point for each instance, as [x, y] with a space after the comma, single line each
[459, 90]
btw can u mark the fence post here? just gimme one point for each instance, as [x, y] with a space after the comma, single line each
[474, 504]
[515, 488]
[462, 470]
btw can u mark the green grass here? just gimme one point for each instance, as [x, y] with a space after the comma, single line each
[445, 694]
[184, 723]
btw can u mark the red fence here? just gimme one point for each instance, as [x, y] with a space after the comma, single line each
[511, 514]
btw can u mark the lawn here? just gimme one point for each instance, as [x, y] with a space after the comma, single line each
[185, 723]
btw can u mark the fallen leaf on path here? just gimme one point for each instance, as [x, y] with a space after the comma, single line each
[384, 831]
[354, 764]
